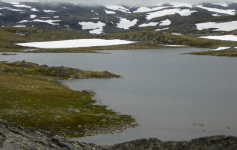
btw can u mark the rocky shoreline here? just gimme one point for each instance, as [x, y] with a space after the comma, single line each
[15, 137]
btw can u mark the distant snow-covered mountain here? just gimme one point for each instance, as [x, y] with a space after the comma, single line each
[177, 17]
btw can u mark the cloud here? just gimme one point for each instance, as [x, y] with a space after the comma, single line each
[125, 2]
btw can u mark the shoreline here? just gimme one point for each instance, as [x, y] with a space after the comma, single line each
[32, 97]
[15, 137]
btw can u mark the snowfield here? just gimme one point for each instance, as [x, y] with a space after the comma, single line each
[221, 37]
[216, 10]
[223, 26]
[75, 43]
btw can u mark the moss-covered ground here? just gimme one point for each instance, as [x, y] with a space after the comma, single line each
[36, 103]
[228, 53]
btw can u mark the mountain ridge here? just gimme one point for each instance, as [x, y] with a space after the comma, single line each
[111, 19]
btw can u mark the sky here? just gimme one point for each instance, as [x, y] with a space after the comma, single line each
[127, 2]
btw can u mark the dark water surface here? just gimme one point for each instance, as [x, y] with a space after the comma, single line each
[166, 92]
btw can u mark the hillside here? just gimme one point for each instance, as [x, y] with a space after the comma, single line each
[149, 26]
[112, 19]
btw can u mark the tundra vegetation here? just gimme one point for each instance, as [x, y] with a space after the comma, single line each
[144, 40]
[32, 96]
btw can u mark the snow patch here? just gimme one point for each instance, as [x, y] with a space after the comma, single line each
[146, 9]
[126, 24]
[148, 24]
[23, 21]
[75, 43]
[221, 48]
[118, 8]
[32, 16]
[21, 5]
[52, 22]
[109, 12]
[223, 26]
[182, 12]
[177, 33]
[162, 29]
[34, 9]
[165, 22]
[97, 27]
[216, 15]
[49, 11]
[221, 37]
[20, 26]
[216, 10]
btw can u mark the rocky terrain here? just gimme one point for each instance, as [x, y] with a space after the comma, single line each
[112, 19]
[14, 137]
[64, 72]
[150, 26]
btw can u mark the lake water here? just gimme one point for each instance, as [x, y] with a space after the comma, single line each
[166, 92]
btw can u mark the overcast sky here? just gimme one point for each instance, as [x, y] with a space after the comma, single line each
[128, 2]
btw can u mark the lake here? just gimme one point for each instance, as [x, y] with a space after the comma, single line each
[172, 96]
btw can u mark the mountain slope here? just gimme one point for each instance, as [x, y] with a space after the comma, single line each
[111, 19]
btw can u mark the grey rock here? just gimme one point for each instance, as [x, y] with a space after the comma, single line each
[12, 138]
[57, 117]
[75, 111]
[103, 120]
[2, 138]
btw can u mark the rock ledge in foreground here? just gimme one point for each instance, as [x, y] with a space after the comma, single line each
[12, 138]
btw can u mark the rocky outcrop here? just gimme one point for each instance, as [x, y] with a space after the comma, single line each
[220, 142]
[65, 72]
[16, 138]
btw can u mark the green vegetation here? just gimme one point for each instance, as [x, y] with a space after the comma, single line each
[228, 52]
[144, 39]
[35, 100]
[8, 39]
